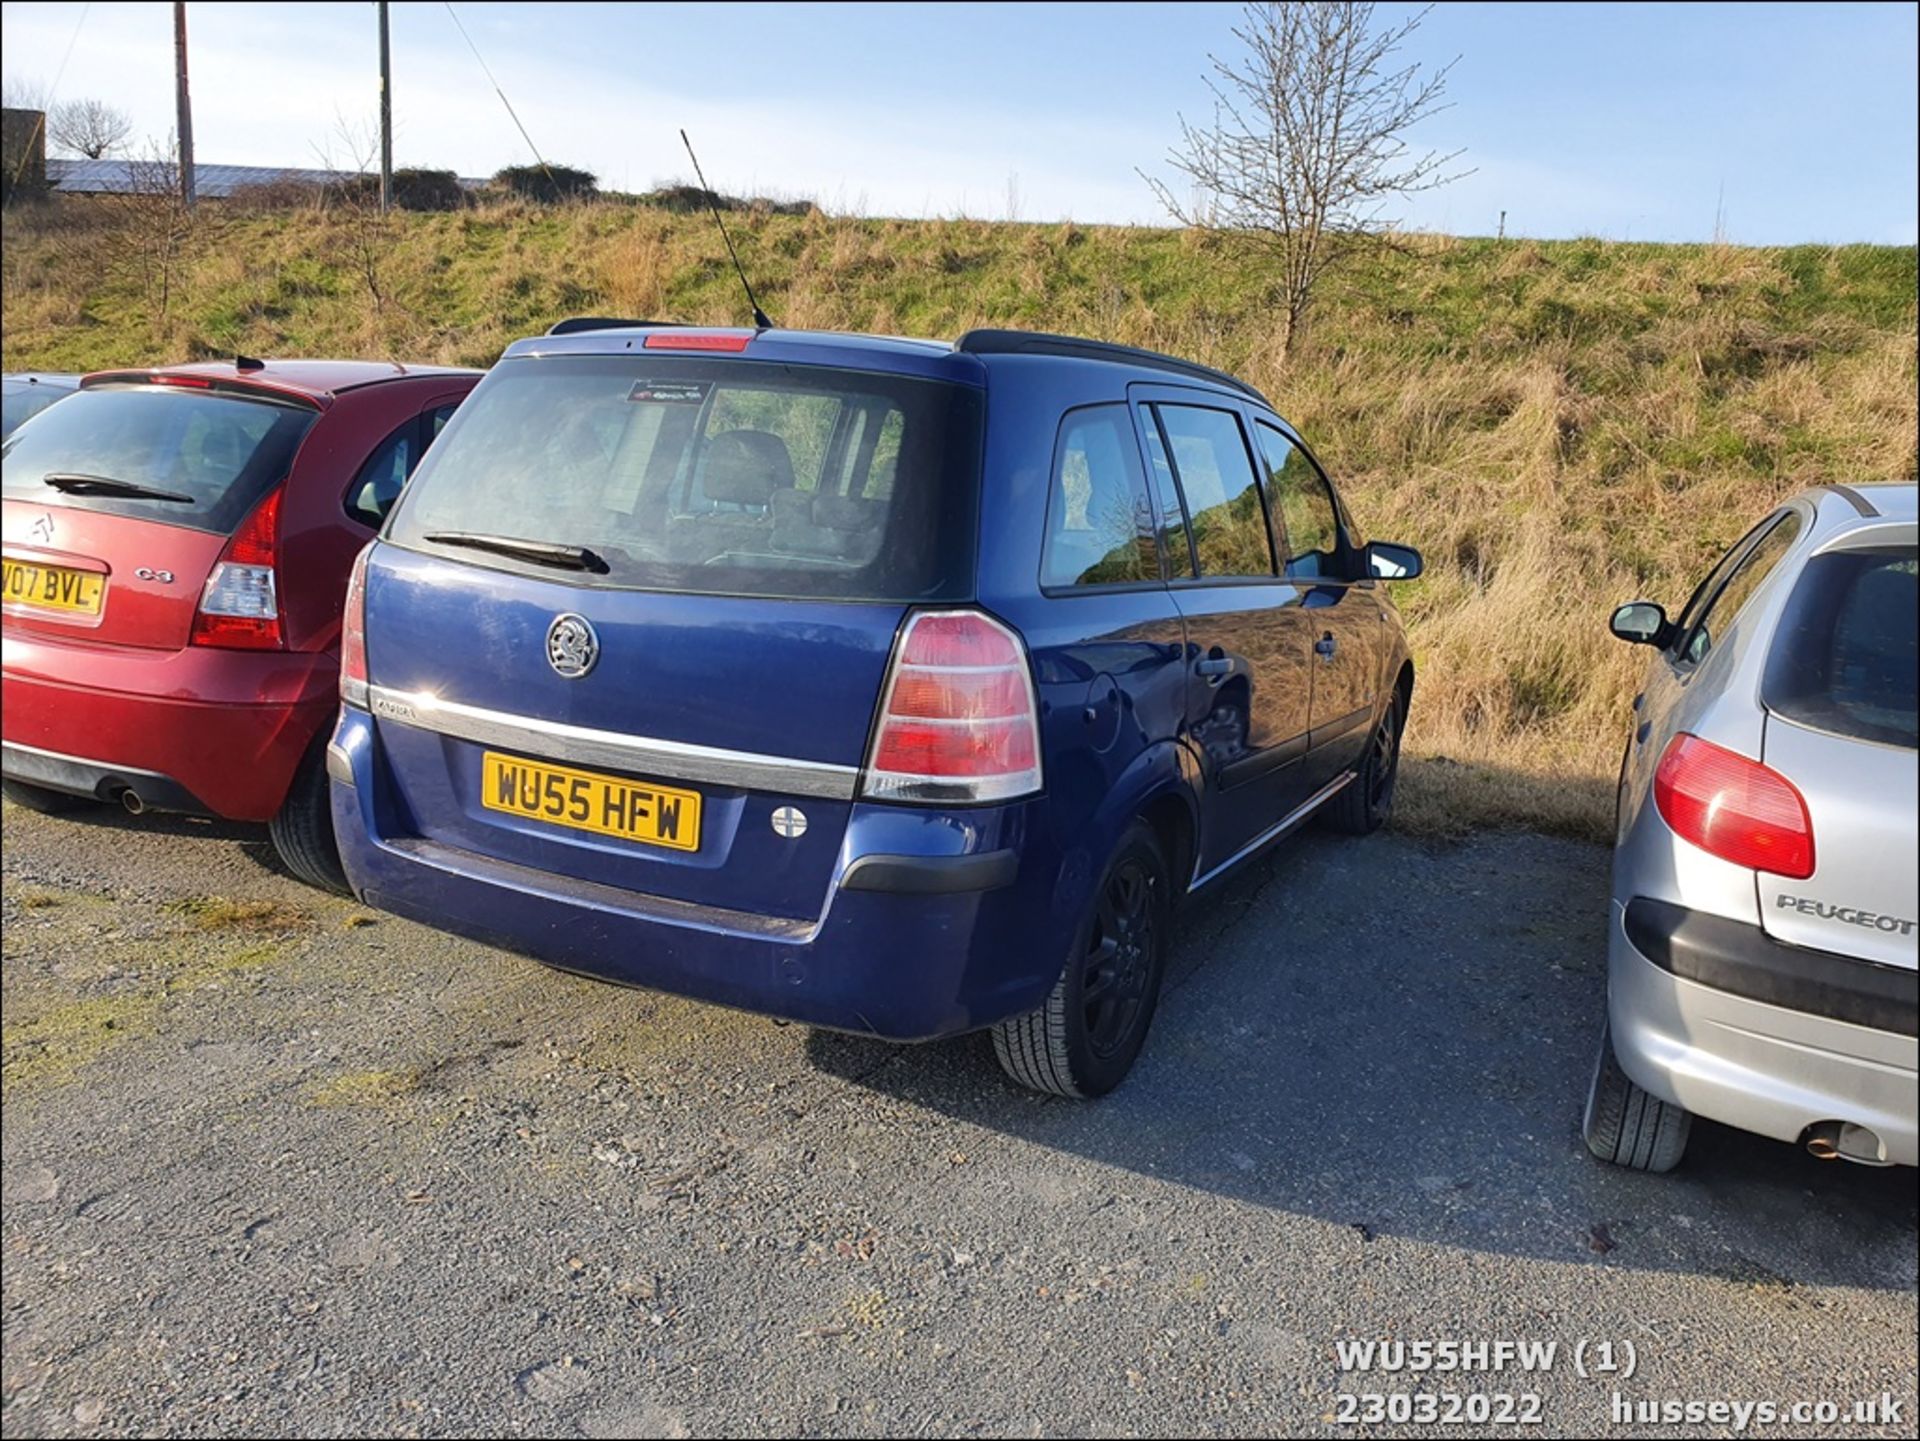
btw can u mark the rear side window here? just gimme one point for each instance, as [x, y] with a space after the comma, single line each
[1223, 498]
[384, 476]
[380, 480]
[1099, 524]
[1722, 609]
[718, 477]
[1307, 526]
[25, 401]
[218, 452]
[1844, 656]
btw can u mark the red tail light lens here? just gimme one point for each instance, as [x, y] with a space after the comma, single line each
[240, 606]
[959, 722]
[1734, 808]
[353, 634]
[697, 340]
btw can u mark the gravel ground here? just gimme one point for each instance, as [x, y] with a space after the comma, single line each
[274, 1164]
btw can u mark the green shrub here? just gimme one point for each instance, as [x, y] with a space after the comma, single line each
[546, 183]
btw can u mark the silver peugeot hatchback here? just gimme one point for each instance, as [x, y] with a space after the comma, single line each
[1762, 969]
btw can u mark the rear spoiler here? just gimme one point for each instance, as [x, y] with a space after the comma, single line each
[573, 325]
[251, 389]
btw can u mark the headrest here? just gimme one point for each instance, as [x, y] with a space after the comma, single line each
[745, 467]
[845, 512]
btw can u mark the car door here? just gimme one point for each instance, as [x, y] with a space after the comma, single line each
[1250, 681]
[1345, 622]
[1107, 643]
[1667, 703]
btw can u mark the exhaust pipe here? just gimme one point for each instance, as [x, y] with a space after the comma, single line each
[1844, 1141]
[130, 798]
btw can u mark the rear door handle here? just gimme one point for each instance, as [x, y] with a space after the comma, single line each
[1213, 666]
[1325, 645]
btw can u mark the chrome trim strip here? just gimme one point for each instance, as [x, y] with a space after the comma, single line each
[669, 760]
[1273, 833]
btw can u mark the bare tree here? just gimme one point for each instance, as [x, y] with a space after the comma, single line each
[1307, 147]
[155, 224]
[88, 127]
[350, 154]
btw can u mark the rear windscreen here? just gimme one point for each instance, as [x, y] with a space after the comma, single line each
[1844, 657]
[217, 453]
[719, 477]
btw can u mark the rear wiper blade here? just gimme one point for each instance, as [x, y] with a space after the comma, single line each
[107, 485]
[540, 552]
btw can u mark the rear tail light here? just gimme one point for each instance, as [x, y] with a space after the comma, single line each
[353, 634]
[958, 719]
[1734, 808]
[240, 606]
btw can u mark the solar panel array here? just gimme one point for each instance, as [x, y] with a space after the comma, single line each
[215, 182]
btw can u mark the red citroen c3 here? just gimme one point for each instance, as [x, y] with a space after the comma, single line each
[176, 550]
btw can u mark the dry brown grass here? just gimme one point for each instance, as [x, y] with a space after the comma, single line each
[1558, 426]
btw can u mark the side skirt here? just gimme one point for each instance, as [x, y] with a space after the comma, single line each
[1273, 833]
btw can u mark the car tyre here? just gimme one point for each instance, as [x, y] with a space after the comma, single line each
[38, 798]
[1627, 1126]
[302, 829]
[1364, 803]
[1084, 1040]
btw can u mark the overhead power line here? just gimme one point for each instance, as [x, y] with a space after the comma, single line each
[502, 94]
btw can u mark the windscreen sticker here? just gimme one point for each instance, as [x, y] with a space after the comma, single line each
[669, 392]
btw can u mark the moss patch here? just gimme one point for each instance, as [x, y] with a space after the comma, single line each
[366, 1088]
[217, 913]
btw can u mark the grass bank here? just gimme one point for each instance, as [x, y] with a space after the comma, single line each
[1559, 426]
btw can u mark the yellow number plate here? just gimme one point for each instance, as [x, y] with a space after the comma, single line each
[52, 587]
[585, 801]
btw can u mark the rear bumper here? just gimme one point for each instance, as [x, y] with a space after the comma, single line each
[1771, 1068]
[212, 732]
[906, 947]
[101, 780]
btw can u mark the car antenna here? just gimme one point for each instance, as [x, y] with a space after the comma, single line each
[713, 203]
[247, 362]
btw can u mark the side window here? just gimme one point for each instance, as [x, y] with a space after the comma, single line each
[1716, 578]
[377, 486]
[1305, 521]
[1174, 544]
[1722, 609]
[1223, 499]
[1099, 525]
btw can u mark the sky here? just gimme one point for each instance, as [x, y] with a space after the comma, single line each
[1766, 123]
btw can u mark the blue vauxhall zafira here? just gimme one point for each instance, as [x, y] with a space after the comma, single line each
[901, 687]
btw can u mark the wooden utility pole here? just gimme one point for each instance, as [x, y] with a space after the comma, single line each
[386, 115]
[183, 120]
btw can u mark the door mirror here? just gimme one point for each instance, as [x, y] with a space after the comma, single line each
[1387, 561]
[1641, 622]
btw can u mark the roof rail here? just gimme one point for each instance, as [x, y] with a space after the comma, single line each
[574, 324]
[1034, 342]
